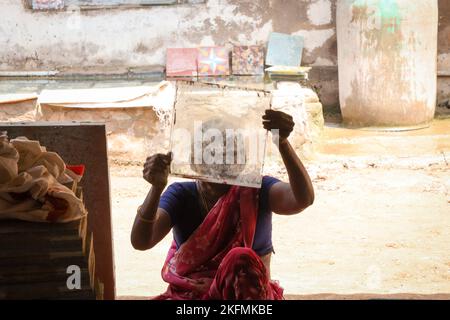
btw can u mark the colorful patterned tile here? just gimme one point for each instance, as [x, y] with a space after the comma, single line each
[284, 50]
[213, 61]
[181, 62]
[248, 60]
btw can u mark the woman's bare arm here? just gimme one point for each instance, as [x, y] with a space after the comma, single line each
[151, 223]
[298, 194]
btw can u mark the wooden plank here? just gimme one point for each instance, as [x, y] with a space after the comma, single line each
[44, 290]
[34, 260]
[36, 277]
[29, 269]
[29, 244]
[24, 227]
[58, 259]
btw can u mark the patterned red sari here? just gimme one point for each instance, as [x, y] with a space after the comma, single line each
[217, 261]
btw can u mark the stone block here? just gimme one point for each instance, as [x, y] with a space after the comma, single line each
[24, 111]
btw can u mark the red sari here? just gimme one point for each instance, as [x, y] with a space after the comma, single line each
[217, 261]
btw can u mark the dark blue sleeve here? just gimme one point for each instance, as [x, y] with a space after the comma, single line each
[267, 183]
[263, 237]
[172, 202]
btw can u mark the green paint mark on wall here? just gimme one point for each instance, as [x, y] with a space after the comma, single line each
[387, 10]
[390, 14]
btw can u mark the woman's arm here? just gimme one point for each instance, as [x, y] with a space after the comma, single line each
[152, 224]
[298, 194]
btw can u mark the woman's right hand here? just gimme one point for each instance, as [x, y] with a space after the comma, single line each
[156, 169]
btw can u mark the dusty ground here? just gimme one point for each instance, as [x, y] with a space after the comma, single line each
[380, 222]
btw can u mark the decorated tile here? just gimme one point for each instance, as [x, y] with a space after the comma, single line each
[213, 61]
[284, 50]
[181, 62]
[248, 60]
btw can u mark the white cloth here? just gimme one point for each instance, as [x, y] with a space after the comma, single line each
[32, 154]
[160, 98]
[30, 184]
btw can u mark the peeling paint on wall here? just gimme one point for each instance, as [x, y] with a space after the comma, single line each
[140, 36]
[388, 65]
[387, 11]
[323, 62]
[315, 38]
[319, 12]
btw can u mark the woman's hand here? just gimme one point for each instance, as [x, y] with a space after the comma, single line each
[156, 169]
[278, 120]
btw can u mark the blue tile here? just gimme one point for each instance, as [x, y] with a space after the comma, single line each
[284, 50]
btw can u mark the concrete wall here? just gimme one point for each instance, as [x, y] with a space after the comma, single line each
[114, 38]
[135, 133]
[140, 36]
[127, 37]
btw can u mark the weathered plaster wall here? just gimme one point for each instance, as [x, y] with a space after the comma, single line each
[140, 36]
[134, 133]
[117, 38]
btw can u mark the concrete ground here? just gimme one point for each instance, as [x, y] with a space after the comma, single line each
[379, 227]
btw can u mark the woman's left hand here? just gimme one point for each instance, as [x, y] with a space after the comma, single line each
[278, 120]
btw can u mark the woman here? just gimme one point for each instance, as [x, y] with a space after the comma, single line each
[222, 234]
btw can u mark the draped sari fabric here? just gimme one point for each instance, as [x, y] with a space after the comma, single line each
[217, 261]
